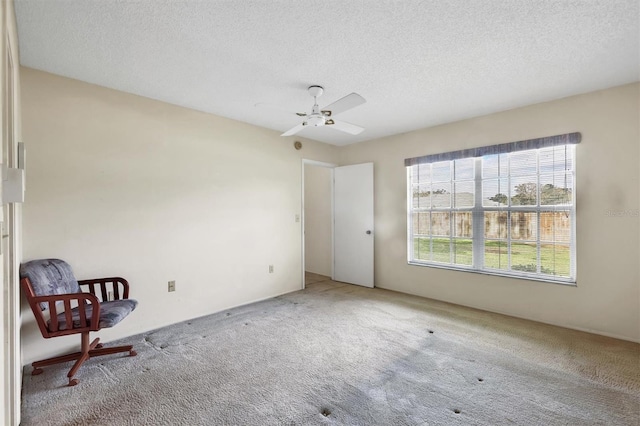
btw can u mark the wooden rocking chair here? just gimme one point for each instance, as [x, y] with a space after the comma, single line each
[48, 283]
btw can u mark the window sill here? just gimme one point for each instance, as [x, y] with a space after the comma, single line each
[566, 282]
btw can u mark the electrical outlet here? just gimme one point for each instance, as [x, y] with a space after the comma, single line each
[271, 269]
[110, 295]
[172, 286]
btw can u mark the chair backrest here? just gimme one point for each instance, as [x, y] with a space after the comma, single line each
[49, 277]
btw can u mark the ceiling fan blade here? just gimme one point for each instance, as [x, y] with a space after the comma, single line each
[293, 130]
[346, 127]
[344, 104]
[276, 107]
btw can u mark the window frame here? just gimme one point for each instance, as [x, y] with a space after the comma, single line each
[478, 237]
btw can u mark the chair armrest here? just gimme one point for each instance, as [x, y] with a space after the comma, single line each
[119, 287]
[83, 300]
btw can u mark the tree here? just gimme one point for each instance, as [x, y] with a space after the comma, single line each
[526, 194]
[550, 195]
[499, 198]
[428, 193]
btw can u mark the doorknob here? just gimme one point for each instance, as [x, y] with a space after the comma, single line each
[368, 232]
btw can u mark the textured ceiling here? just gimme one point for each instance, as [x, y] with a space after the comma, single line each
[417, 63]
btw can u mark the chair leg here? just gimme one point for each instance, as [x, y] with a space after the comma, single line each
[113, 350]
[88, 350]
[51, 361]
[96, 349]
[84, 355]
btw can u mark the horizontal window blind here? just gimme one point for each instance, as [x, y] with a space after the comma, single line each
[505, 148]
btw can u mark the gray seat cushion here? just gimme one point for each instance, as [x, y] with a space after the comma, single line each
[111, 313]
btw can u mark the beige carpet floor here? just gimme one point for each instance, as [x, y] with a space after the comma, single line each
[337, 354]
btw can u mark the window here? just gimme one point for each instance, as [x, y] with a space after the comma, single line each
[507, 209]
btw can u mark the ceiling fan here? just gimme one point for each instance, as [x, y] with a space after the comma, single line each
[324, 117]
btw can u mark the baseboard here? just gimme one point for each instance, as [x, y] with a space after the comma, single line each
[199, 316]
[509, 314]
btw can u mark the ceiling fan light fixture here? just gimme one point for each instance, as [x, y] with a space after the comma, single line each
[316, 120]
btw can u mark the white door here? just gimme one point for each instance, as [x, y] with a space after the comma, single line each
[353, 224]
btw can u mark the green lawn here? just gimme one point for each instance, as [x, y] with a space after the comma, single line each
[554, 260]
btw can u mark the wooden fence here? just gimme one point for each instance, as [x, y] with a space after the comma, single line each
[554, 226]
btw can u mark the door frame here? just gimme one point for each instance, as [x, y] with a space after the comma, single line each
[330, 166]
[11, 230]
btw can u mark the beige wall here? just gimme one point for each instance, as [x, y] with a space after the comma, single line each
[119, 184]
[123, 185]
[317, 219]
[606, 299]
